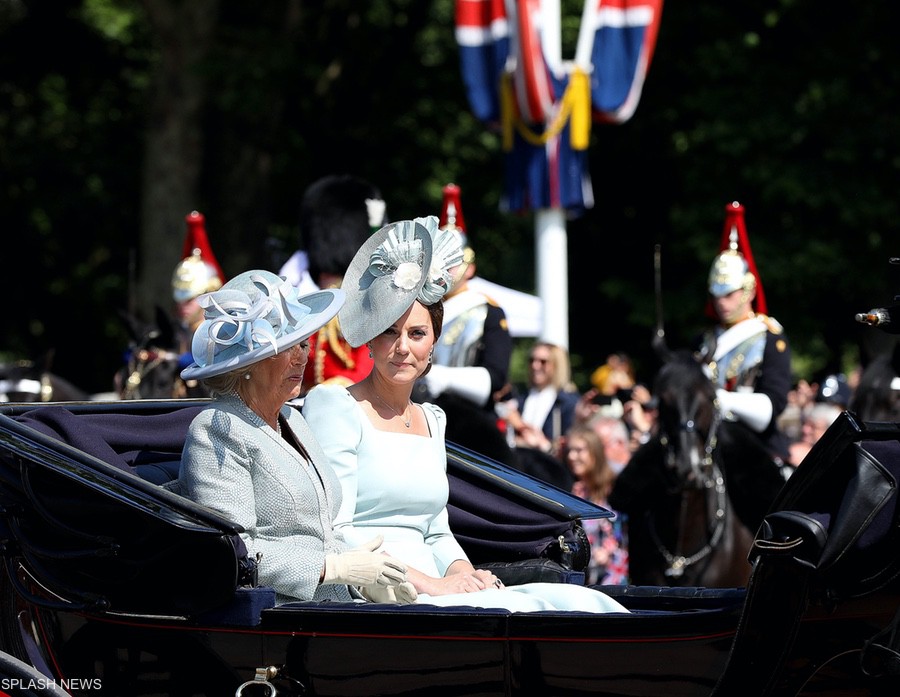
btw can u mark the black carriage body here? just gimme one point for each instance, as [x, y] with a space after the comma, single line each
[114, 582]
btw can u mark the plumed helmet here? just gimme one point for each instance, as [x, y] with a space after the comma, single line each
[452, 219]
[198, 272]
[734, 268]
[729, 273]
[193, 276]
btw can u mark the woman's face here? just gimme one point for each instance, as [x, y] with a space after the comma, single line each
[402, 350]
[540, 367]
[281, 376]
[579, 457]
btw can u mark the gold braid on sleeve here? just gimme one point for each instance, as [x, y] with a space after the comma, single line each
[330, 336]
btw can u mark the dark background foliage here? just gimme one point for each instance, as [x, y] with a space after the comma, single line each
[118, 117]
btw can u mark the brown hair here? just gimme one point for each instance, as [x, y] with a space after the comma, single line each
[436, 312]
[599, 479]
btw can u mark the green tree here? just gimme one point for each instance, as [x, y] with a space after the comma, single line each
[119, 117]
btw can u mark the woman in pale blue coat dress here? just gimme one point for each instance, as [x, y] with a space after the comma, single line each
[389, 453]
[252, 456]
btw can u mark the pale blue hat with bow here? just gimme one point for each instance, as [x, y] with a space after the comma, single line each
[403, 262]
[254, 316]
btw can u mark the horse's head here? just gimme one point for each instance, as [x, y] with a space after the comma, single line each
[688, 418]
[877, 397]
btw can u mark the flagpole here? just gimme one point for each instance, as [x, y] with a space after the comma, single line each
[516, 45]
[551, 255]
[550, 237]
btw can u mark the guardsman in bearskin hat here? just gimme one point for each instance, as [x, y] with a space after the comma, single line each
[471, 358]
[338, 213]
[746, 352]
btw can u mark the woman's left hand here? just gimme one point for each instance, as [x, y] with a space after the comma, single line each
[488, 579]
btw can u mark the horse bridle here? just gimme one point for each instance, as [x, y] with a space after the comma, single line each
[144, 362]
[707, 476]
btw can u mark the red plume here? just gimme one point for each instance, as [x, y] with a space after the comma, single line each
[734, 223]
[196, 239]
[451, 210]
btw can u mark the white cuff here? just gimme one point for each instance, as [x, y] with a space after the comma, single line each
[753, 408]
[472, 382]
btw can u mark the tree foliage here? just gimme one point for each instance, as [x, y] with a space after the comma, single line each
[788, 107]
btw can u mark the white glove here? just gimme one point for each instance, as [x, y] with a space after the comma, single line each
[753, 408]
[363, 566]
[473, 382]
[404, 594]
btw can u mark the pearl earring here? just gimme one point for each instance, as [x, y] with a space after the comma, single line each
[246, 376]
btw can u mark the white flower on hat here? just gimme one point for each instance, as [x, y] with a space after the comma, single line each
[407, 275]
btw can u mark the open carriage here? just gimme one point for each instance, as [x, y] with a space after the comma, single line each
[116, 586]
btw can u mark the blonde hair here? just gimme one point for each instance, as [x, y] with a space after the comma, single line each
[226, 383]
[562, 370]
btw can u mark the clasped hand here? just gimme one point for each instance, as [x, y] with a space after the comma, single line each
[363, 566]
[470, 581]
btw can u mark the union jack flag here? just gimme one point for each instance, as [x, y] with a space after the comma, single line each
[544, 106]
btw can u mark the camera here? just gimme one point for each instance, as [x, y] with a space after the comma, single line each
[625, 394]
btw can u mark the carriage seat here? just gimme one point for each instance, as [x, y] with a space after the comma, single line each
[149, 446]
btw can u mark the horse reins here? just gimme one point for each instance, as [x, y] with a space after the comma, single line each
[710, 477]
[146, 361]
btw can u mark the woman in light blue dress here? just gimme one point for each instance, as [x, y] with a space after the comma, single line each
[388, 452]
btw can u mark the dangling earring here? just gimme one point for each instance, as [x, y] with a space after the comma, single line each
[246, 376]
[430, 354]
[371, 355]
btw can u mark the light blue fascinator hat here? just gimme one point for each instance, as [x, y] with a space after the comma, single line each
[404, 261]
[255, 316]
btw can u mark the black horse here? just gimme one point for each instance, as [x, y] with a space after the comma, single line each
[153, 366]
[32, 381]
[696, 493]
[877, 396]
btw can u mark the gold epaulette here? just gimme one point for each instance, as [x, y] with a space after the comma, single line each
[772, 324]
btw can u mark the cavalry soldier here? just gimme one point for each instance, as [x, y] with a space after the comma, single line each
[159, 352]
[197, 273]
[746, 353]
[471, 358]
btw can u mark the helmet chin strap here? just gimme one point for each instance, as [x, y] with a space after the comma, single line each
[459, 278]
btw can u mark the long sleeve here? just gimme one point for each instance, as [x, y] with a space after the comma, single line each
[232, 463]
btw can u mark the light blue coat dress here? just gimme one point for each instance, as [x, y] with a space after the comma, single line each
[395, 484]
